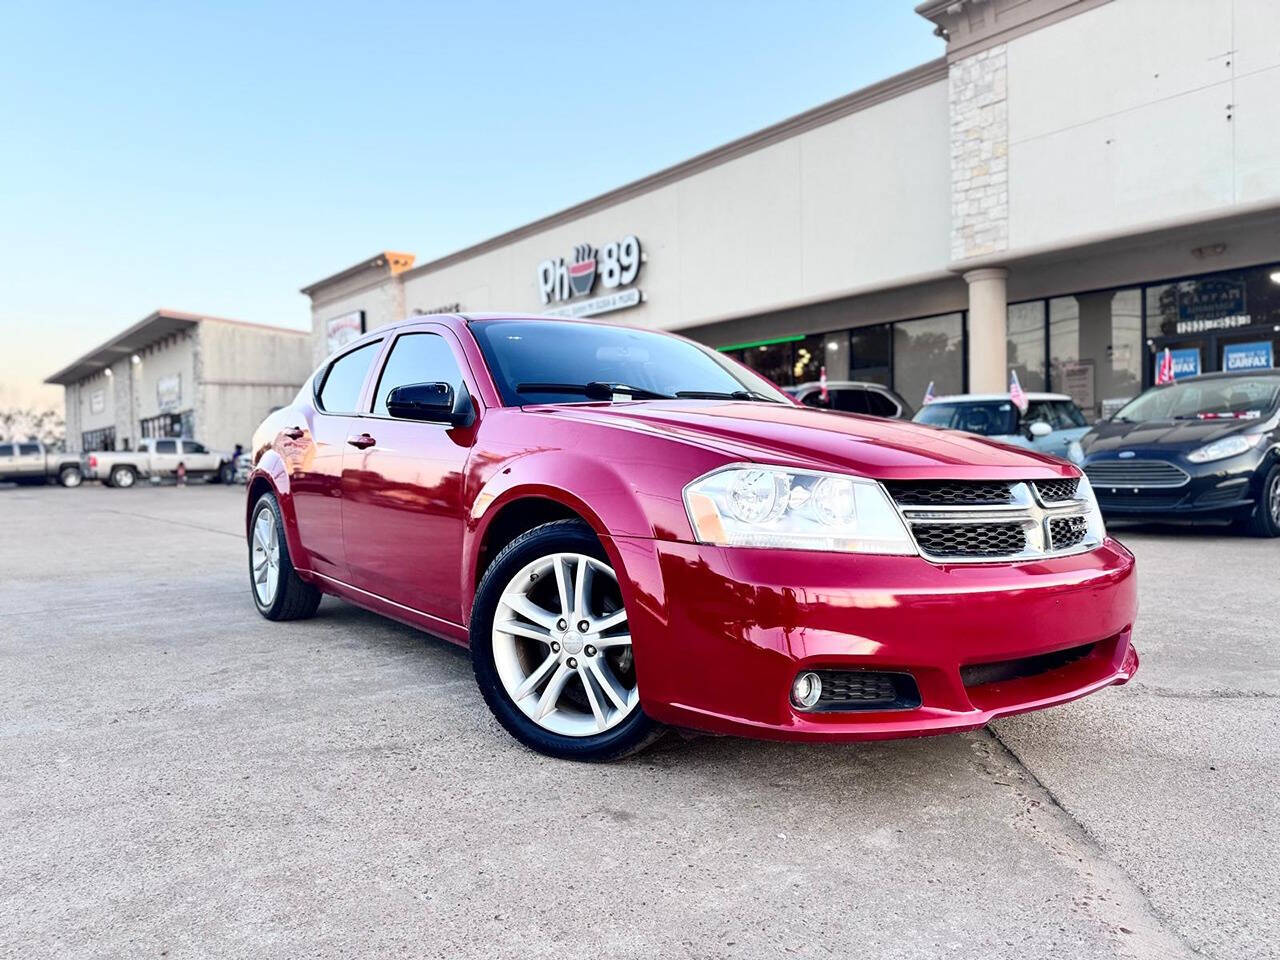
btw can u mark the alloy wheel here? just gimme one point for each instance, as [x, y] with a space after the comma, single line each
[266, 556]
[562, 645]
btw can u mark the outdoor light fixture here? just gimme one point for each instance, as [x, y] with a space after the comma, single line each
[1275, 276]
[108, 371]
[1209, 250]
[135, 359]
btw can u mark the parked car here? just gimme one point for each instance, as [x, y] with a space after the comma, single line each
[629, 530]
[1050, 424]
[853, 396]
[159, 459]
[1203, 448]
[35, 463]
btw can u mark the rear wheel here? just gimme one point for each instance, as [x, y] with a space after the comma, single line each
[551, 647]
[123, 477]
[278, 592]
[1265, 519]
[226, 473]
[70, 476]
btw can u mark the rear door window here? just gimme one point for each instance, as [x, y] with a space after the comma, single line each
[190, 446]
[340, 392]
[879, 405]
[166, 446]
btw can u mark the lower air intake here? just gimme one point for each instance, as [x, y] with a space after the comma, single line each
[867, 690]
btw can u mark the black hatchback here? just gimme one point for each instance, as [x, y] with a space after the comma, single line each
[1204, 447]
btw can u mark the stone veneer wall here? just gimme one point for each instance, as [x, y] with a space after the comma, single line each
[979, 154]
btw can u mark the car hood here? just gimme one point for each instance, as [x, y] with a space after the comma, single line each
[817, 439]
[1172, 435]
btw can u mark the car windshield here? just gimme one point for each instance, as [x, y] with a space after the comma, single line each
[1225, 398]
[551, 361]
[990, 418]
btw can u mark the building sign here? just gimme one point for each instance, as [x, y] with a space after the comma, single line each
[570, 286]
[97, 401]
[342, 330]
[1186, 363]
[1247, 356]
[169, 392]
[1078, 383]
[444, 308]
[1213, 323]
[1211, 299]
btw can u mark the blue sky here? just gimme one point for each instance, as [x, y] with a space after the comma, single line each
[217, 157]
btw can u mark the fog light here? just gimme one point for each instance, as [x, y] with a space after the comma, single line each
[806, 690]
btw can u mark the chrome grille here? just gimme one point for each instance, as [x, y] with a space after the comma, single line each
[956, 521]
[1135, 474]
[970, 540]
[950, 493]
[1067, 532]
[1051, 491]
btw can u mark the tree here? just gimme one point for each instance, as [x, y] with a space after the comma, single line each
[18, 423]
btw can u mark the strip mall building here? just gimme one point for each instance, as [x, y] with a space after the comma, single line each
[1076, 185]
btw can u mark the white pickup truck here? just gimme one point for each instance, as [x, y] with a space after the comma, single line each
[159, 458]
[36, 463]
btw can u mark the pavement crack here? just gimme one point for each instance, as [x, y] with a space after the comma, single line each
[1168, 693]
[176, 523]
[1145, 932]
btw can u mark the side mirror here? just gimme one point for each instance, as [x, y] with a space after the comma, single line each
[430, 403]
[1039, 428]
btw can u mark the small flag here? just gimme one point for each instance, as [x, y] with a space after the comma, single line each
[1016, 393]
[1165, 373]
[928, 394]
[822, 383]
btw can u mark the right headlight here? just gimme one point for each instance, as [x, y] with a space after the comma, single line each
[1097, 530]
[763, 506]
[1226, 447]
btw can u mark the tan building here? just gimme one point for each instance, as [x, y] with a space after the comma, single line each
[181, 374]
[1076, 185]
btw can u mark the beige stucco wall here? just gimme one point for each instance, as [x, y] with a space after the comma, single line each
[1139, 111]
[857, 202]
[378, 294]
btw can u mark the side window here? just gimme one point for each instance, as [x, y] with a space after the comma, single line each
[1039, 410]
[878, 405]
[28, 449]
[1069, 415]
[190, 446]
[814, 399]
[6, 450]
[144, 446]
[850, 401]
[416, 358]
[341, 390]
[166, 446]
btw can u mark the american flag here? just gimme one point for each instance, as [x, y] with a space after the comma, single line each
[1016, 393]
[928, 394]
[822, 383]
[1165, 373]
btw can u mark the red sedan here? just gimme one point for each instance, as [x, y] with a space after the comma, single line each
[629, 530]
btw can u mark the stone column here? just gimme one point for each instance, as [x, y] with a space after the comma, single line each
[988, 330]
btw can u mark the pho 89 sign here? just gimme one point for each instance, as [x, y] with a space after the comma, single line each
[614, 267]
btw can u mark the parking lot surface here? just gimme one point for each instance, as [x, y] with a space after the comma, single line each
[181, 778]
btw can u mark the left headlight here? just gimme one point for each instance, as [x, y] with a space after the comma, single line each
[1094, 525]
[749, 506]
[1226, 447]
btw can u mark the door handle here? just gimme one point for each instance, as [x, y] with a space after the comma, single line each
[362, 441]
[294, 433]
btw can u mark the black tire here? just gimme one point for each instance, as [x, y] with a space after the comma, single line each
[70, 476]
[226, 473]
[630, 736]
[122, 477]
[1264, 522]
[295, 599]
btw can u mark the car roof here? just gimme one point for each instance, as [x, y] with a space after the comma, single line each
[1226, 375]
[992, 397]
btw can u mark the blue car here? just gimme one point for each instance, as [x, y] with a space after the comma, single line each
[1051, 424]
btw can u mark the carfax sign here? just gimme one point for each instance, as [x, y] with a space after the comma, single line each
[1247, 356]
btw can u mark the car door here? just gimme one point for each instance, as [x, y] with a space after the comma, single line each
[314, 446]
[196, 457]
[30, 460]
[8, 462]
[402, 483]
[164, 457]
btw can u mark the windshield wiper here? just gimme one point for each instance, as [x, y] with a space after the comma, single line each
[595, 390]
[722, 395]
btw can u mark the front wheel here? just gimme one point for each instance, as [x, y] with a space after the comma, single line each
[551, 647]
[1265, 519]
[278, 592]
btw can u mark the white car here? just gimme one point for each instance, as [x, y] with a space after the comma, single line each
[1050, 425]
[160, 459]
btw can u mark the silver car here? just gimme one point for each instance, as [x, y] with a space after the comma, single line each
[1051, 423]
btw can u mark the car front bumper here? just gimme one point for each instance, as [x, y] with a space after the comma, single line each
[720, 634]
[1219, 489]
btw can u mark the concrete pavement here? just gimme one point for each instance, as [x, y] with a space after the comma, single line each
[181, 778]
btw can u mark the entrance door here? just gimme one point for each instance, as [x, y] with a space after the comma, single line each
[402, 513]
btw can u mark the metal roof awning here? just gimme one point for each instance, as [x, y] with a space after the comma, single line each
[152, 328]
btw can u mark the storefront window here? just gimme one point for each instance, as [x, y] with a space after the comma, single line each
[1026, 343]
[928, 350]
[1095, 346]
[835, 354]
[806, 360]
[869, 351]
